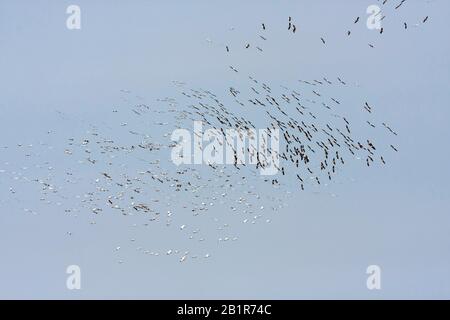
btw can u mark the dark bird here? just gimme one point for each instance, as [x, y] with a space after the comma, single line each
[399, 5]
[341, 81]
[107, 175]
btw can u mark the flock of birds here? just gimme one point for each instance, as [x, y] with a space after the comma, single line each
[316, 136]
[125, 167]
[379, 16]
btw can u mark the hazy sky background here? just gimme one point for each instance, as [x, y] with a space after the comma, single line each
[319, 246]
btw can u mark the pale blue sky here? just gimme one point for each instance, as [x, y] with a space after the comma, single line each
[318, 246]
